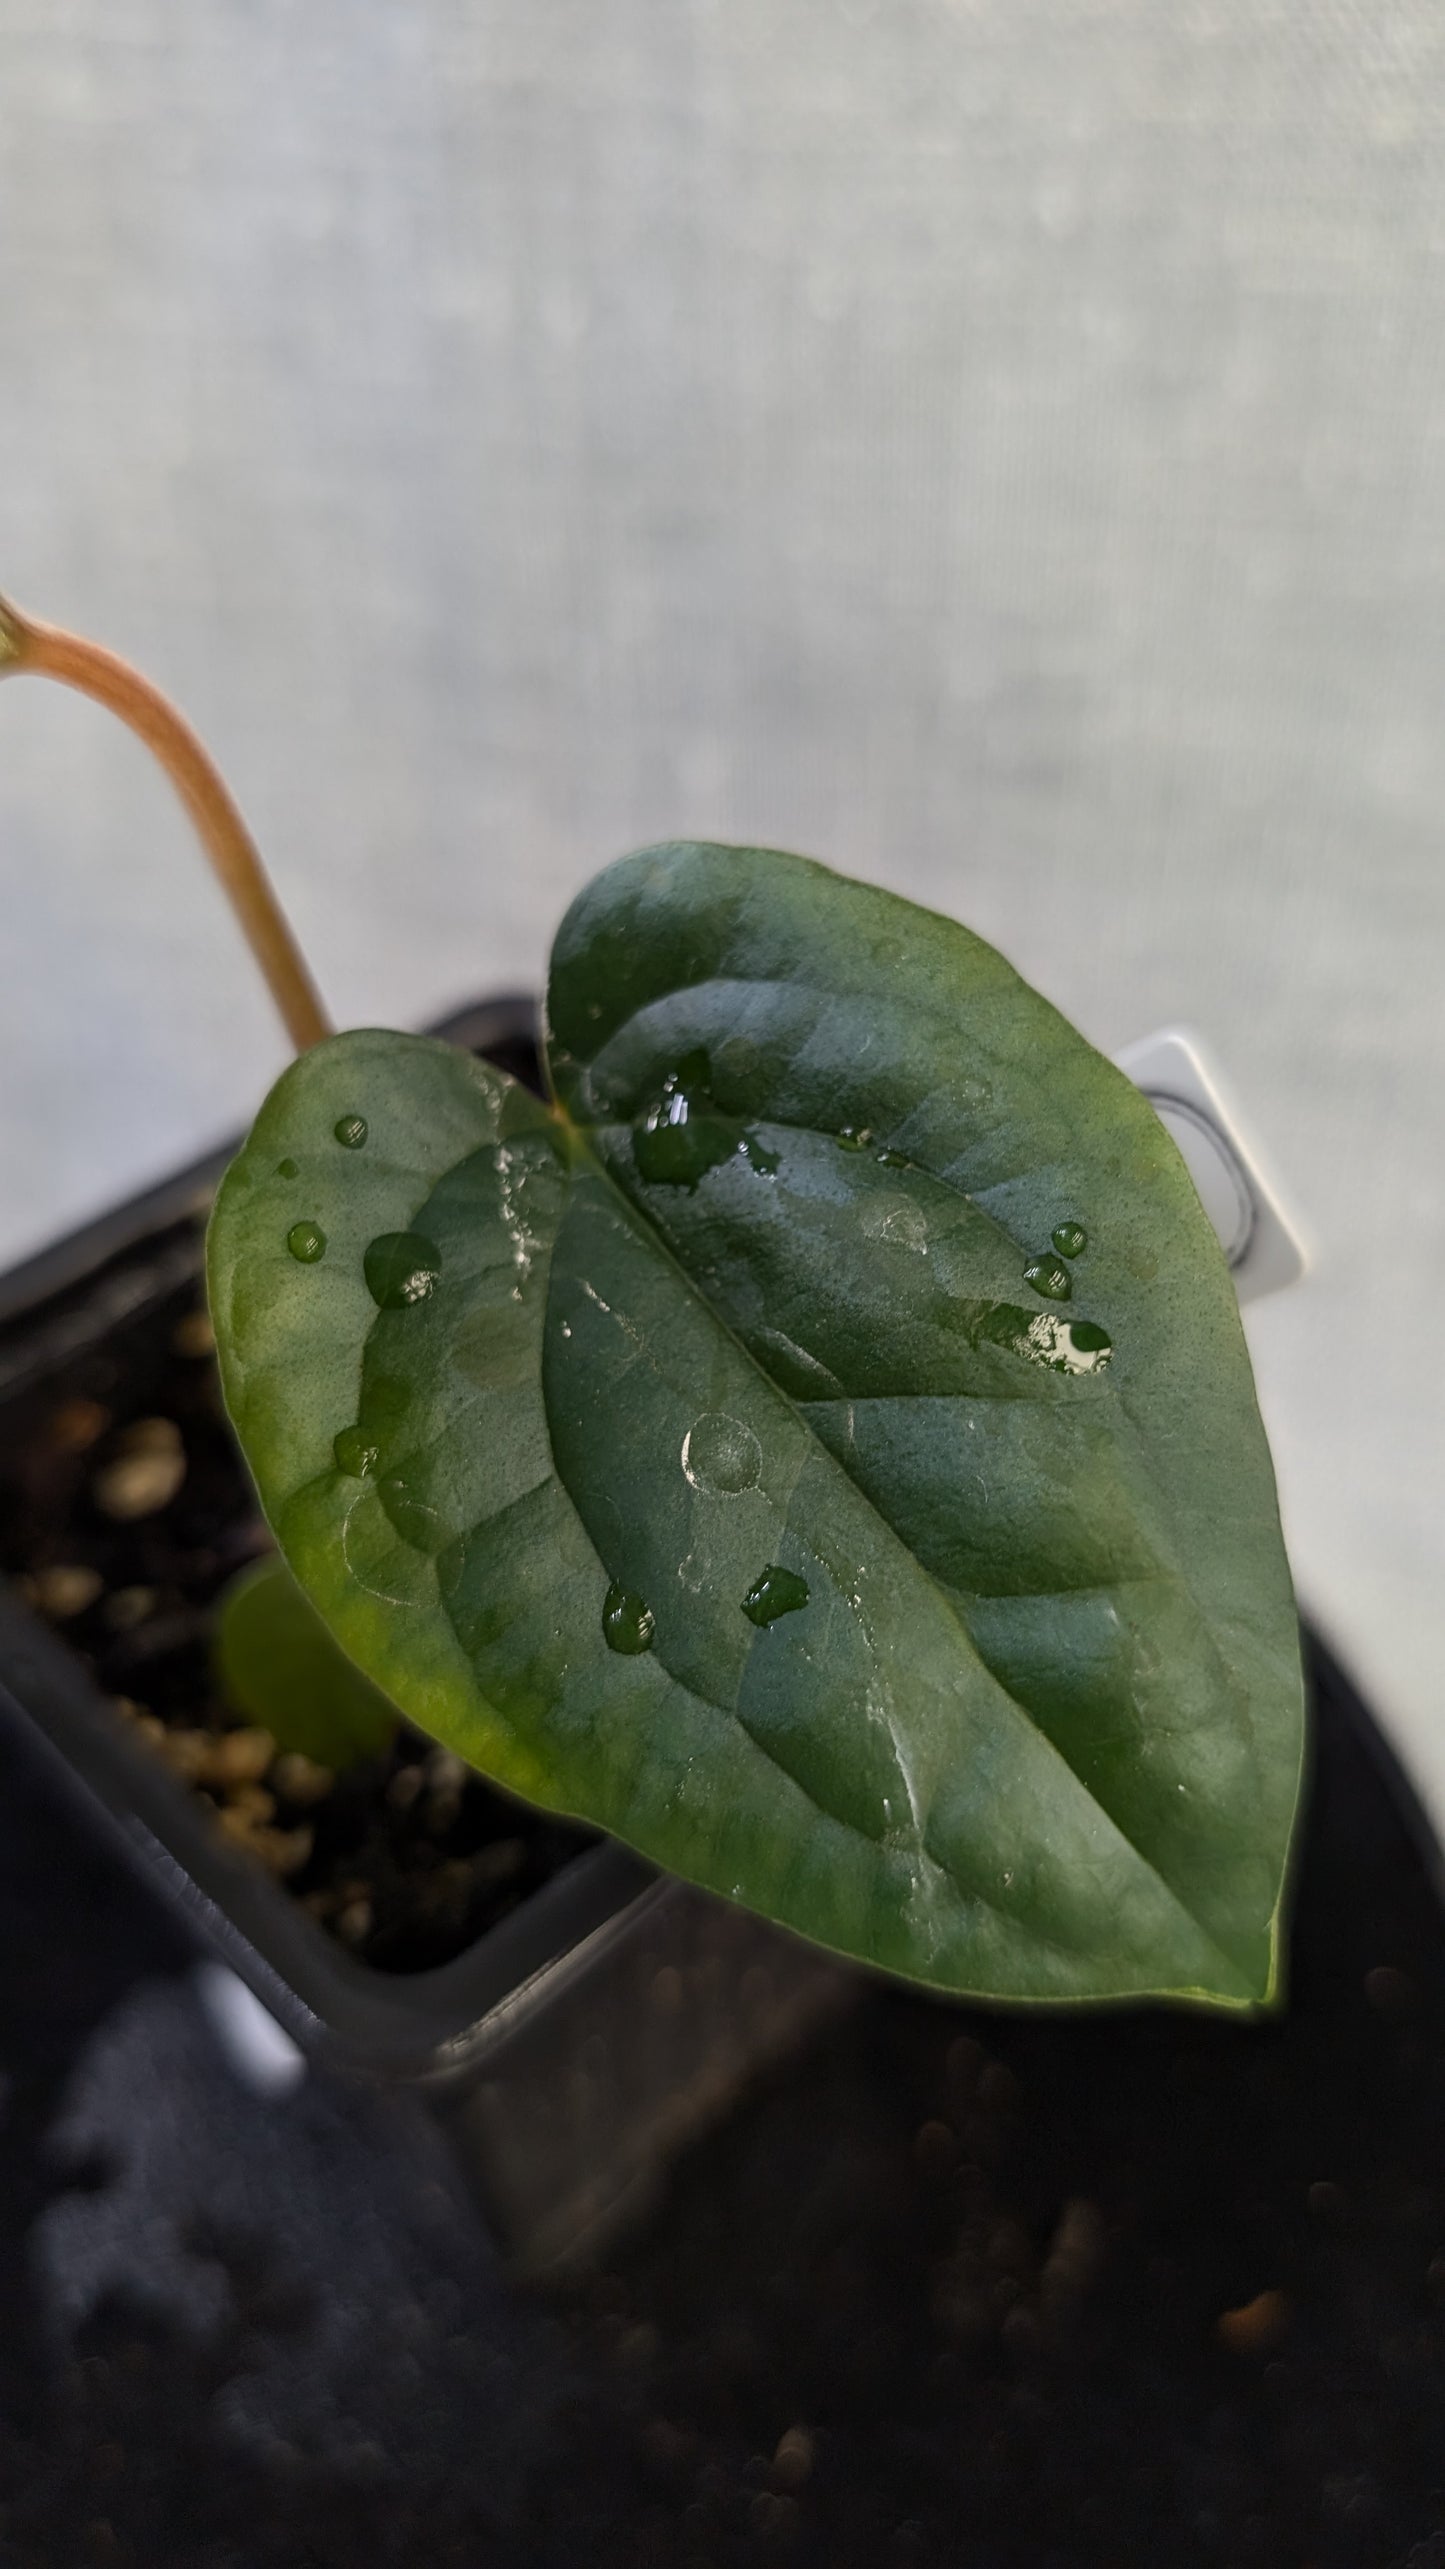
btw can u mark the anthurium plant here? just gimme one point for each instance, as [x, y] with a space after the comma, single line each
[815, 1442]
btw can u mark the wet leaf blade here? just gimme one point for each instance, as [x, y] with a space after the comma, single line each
[732, 1485]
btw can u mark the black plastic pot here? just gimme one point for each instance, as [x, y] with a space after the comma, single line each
[572, 2048]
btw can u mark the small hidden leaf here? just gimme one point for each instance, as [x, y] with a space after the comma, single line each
[281, 1668]
[819, 1447]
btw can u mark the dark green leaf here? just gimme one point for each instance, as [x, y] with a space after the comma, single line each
[821, 1451]
[279, 1666]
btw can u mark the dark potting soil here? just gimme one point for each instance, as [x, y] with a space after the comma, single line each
[982, 2291]
[125, 1510]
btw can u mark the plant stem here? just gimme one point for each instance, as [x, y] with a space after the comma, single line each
[46, 652]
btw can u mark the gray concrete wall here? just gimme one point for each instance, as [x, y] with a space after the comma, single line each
[994, 444]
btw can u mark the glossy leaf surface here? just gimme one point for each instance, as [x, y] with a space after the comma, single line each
[822, 1450]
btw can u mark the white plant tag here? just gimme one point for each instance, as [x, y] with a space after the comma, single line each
[1260, 1239]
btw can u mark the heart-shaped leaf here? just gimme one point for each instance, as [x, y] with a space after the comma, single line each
[821, 1449]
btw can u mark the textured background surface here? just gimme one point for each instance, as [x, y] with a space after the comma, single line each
[997, 447]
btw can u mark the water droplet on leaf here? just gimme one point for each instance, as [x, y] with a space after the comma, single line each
[684, 1133]
[628, 1622]
[287, 1168]
[351, 1132]
[774, 1592]
[1070, 1239]
[1062, 1346]
[721, 1455]
[355, 1453]
[894, 1160]
[1048, 1276]
[306, 1241]
[401, 1268]
[416, 1522]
